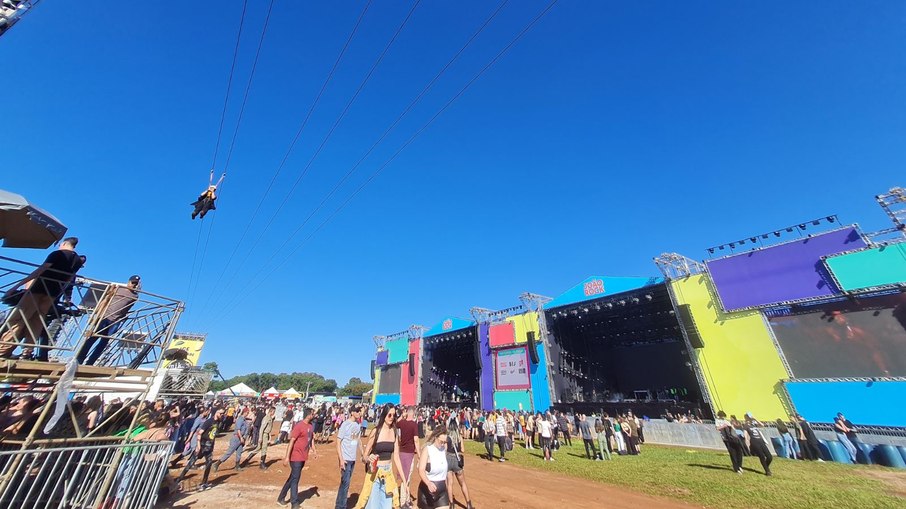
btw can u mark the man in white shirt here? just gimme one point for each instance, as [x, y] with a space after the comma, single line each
[544, 429]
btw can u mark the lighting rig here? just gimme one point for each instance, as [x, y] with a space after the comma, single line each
[757, 240]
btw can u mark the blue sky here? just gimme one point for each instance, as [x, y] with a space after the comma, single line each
[610, 133]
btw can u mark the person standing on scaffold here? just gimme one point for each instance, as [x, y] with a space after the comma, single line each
[205, 201]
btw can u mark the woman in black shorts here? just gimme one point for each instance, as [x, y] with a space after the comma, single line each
[456, 462]
[432, 469]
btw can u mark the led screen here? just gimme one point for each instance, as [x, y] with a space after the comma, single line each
[390, 380]
[863, 338]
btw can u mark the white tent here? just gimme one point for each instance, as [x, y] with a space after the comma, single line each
[272, 392]
[291, 393]
[239, 389]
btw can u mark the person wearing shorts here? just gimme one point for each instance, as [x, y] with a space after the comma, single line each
[432, 469]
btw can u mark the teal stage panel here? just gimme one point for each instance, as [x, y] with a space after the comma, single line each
[398, 350]
[870, 268]
[510, 400]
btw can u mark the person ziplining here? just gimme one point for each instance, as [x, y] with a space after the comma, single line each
[205, 201]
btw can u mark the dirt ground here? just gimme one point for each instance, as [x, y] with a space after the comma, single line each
[491, 484]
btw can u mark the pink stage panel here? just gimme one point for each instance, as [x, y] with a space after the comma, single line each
[409, 384]
[502, 334]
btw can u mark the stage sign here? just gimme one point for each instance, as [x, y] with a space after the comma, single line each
[512, 369]
[190, 343]
[784, 273]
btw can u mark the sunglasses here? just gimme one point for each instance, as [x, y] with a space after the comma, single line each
[391, 416]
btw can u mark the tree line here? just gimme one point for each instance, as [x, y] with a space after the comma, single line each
[299, 381]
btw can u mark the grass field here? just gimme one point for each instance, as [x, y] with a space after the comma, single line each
[704, 477]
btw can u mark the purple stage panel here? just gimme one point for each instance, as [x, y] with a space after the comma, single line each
[787, 272]
[487, 367]
[382, 358]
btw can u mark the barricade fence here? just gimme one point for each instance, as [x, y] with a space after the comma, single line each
[658, 431]
[114, 476]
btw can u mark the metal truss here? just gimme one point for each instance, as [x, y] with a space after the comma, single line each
[11, 12]
[481, 315]
[894, 205]
[188, 381]
[675, 265]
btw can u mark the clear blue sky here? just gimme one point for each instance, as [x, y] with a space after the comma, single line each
[610, 133]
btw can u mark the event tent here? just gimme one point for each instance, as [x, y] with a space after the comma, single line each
[291, 394]
[239, 389]
[271, 393]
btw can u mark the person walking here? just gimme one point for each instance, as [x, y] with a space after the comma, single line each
[264, 437]
[300, 443]
[758, 444]
[489, 430]
[409, 447]
[382, 455]
[846, 434]
[433, 469]
[501, 435]
[237, 441]
[348, 446]
[529, 431]
[204, 436]
[456, 463]
[731, 440]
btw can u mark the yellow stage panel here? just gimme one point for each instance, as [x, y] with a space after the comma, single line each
[740, 363]
[524, 323]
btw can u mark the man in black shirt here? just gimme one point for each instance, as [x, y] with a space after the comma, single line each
[207, 432]
[758, 445]
[42, 288]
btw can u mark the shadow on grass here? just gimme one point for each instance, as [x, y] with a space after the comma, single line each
[722, 467]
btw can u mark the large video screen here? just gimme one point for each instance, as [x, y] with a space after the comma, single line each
[390, 380]
[786, 272]
[863, 338]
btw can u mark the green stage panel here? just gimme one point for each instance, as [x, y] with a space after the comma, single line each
[511, 400]
[869, 268]
[398, 350]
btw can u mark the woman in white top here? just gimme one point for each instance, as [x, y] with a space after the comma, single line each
[544, 429]
[432, 468]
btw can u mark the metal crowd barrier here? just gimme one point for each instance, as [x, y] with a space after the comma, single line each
[116, 476]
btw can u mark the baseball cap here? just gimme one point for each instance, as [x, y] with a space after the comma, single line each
[135, 278]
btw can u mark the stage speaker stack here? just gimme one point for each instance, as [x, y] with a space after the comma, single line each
[373, 364]
[688, 323]
[411, 364]
[532, 348]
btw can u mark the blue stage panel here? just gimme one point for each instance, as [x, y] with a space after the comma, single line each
[541, 397]
[864, 403]
[382, 399]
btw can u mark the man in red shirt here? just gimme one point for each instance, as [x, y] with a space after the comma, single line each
[408, 447]
[296, 456]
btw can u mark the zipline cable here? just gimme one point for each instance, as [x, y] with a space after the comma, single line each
[260, 280]
[391, 128]
[289, 150]
[226, 98]
[219, 133]
[245, 99]
[326, 138]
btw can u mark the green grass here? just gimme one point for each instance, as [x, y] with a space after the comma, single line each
[704, 477]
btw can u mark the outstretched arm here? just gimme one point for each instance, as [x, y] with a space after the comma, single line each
[219, 181]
